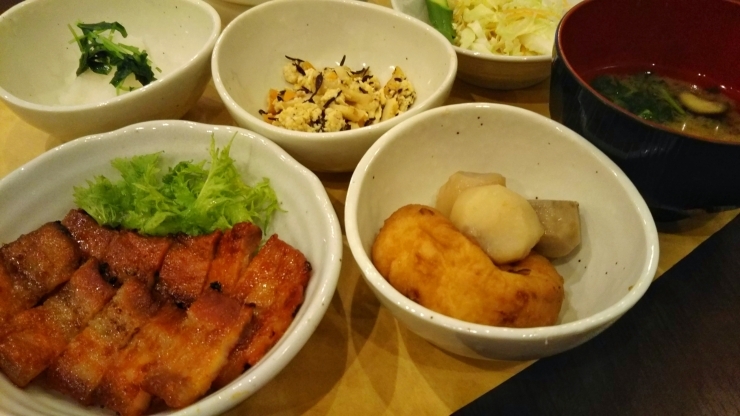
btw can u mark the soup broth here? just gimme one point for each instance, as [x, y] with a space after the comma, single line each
[674, 103]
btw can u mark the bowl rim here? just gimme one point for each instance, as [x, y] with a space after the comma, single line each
[280, 133]
[580, 326]
[149, 89]
[558, 49]
[282, 353]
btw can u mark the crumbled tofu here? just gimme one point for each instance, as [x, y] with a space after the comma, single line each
[336, 99]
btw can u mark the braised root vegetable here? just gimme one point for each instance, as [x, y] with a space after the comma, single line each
[460, 181]
[501, 221]
[562, 224]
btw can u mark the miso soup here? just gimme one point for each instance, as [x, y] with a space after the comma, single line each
[676, 104]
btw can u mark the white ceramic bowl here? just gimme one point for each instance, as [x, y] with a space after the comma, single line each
[41, 191]
[488, 70]
[228, 10]
[250, 54]
[38, 61]
[540, 158]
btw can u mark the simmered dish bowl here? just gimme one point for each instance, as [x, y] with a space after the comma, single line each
[603, 277]
[42, 191]
[659, 99]
[39, 60]
[253, 52]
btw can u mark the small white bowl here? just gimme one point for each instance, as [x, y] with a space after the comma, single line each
[38, 61]
[250, 54]
[540, 158]
[228, 10]
[488, 70]
[41, 191]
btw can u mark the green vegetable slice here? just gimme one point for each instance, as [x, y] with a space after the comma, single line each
[100, 54]
[440, 16]
[189, 198]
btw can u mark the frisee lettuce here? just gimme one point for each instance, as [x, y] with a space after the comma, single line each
[189, 198]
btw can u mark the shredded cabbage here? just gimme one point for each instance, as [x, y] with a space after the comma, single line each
[507, 27]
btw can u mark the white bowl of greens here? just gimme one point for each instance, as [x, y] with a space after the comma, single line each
[504, 44]
[43, 190]
[40, 61]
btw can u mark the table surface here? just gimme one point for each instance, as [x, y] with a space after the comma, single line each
[360, 358]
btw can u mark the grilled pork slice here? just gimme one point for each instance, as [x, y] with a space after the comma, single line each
[133, 256]
[233, 254]
[80, 367]
[274, 282]
[205, 338]
[31, 340]
[120, 388]
[34, 265]
[93, 239]
[9, 304]
[175, 356]
[185, 267]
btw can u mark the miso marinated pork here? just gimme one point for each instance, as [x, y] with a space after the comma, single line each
[234, 252]
[78, 370]
[175, 356]
[186, 265]
[133, 323]
[34, 265]
[31, 340]
[274, 282]
[133, 256]
[93, 239]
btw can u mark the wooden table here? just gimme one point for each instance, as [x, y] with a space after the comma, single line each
[360, 361]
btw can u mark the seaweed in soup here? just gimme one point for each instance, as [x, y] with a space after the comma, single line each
[674, 103]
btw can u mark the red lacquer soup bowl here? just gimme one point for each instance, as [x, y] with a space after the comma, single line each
[678, 173]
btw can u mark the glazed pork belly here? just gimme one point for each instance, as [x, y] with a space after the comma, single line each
[93, 239]
[175, 356]
[127, 254]
[274, 282]
[210, 332]
[234, 252]
[32, 339]
[34, 265]
[185, 267]
[133, 256]
[78, 370]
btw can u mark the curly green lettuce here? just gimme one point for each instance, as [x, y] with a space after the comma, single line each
[189, 198]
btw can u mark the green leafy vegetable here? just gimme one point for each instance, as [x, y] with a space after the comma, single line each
[189, 198]
[644, 94]
[440, 16]
[100, 54]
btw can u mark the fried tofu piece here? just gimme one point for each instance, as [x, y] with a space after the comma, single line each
[92, 238]
[205, 338]
[185, 267]
[34, 265]
[233, 254]
[31, 340]
[133, 256]
[423, 255]
[78, 370]
[274, 282]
